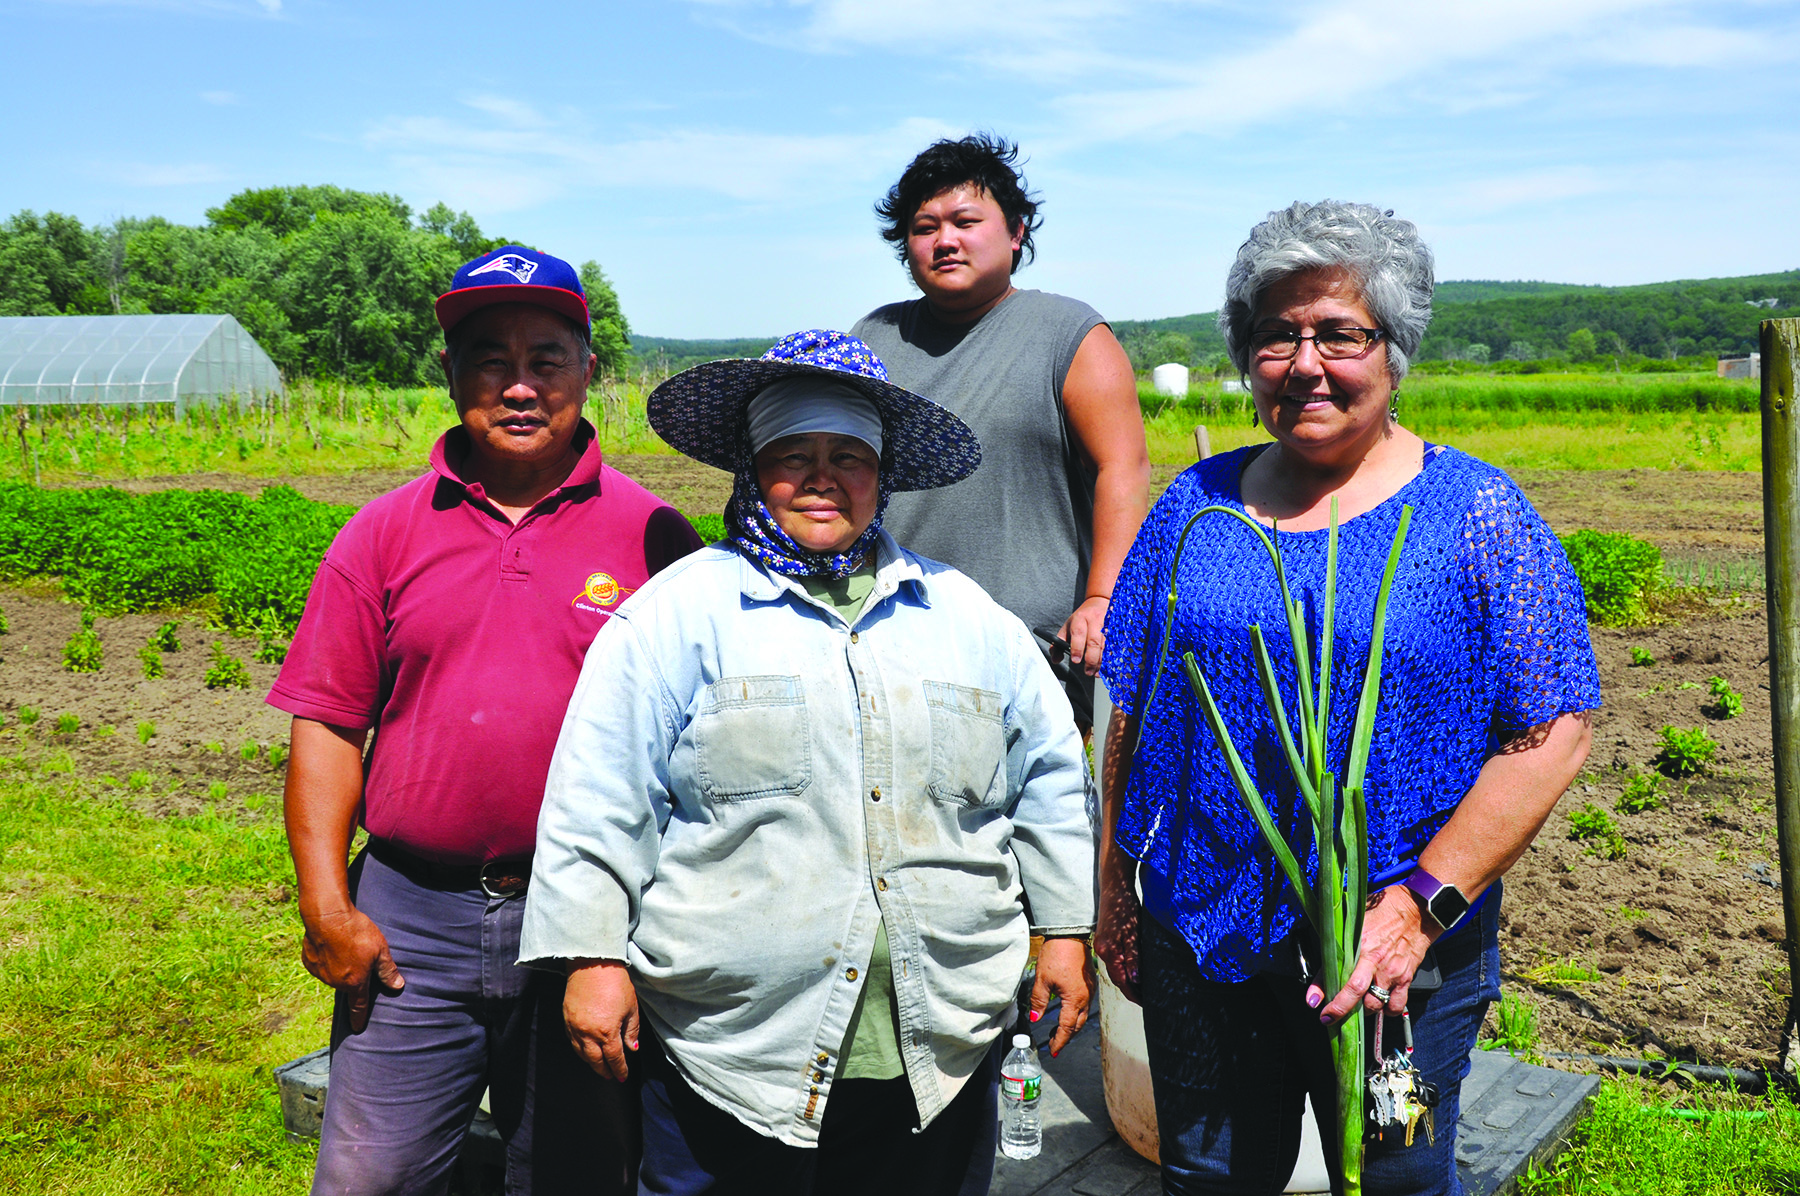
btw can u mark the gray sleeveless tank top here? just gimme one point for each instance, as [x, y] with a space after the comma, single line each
[1022, 524]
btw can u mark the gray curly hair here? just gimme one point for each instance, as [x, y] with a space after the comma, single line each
[1390, 265]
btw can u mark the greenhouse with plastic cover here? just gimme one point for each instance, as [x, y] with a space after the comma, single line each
[111, 360]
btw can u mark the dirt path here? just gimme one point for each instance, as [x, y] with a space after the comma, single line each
[1673, 948]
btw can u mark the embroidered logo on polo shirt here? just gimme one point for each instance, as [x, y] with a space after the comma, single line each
[601, 590]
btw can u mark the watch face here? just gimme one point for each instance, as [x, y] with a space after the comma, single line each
[1447, 906]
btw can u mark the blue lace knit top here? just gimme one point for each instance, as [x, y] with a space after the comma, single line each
[1486, 636]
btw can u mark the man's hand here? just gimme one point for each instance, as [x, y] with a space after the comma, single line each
[1085, 633]
[600, 1009]
[1063, 968]
[348, 951]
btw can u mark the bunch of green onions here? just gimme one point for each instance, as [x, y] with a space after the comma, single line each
[1335, 901]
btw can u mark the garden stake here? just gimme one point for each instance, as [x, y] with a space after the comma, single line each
[1781, 548]
[1335, 902]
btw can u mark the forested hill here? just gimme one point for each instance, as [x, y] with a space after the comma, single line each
[670, 353]
[1483, 321]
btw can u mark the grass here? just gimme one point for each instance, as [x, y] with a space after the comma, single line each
[1540, 421]
[152, 980]
[1536, 421]
[316, 428]
[1648, 1140]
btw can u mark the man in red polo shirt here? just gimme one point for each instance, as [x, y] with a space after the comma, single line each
[451, 617]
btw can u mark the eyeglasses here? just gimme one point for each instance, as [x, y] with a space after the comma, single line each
[1334, 343]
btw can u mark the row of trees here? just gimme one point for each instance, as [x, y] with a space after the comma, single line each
[1492, 322]
[331, 282]
[1662, 320]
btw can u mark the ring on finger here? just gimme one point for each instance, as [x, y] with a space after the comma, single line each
[1379, 993]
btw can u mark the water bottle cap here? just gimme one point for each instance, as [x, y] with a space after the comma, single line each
[1022, 1041]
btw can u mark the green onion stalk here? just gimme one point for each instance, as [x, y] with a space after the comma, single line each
[1335, 901]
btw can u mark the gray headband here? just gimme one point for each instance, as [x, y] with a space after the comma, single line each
[796, 405]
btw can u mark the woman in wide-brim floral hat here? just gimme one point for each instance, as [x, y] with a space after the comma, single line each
[809, 786]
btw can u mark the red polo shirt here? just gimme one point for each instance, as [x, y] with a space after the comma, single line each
[458, 636]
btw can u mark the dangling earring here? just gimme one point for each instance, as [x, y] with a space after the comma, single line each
[1394, 406]
[1253, 417]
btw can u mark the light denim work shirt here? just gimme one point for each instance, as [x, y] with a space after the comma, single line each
[746, 786]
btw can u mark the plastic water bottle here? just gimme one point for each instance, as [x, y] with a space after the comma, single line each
[1021, 1133]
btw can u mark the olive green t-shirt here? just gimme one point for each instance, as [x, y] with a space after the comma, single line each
[871, 1048]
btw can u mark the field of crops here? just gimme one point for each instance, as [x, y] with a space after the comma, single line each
[151, 949]
[1544, 421]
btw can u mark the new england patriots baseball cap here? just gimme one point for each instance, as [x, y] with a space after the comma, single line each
[513, 274]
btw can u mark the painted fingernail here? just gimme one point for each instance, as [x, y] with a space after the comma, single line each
[1313, 1000]
[1035, 1015]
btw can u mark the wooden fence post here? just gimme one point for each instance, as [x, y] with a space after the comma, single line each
[1781, 550]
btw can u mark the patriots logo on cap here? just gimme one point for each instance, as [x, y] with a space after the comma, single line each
[521, 268]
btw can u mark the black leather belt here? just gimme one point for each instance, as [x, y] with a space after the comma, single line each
[496, 878]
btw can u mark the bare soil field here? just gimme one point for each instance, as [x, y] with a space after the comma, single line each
[1674, 948]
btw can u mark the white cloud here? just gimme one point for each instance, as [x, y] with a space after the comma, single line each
[164, 174]
[1335, 58]
[219, 98]
[520, 156]
[1059, 39]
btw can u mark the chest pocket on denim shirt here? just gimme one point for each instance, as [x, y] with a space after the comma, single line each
[751, 738]
[968, 743]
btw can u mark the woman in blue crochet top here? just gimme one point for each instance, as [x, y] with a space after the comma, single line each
[1488, 678]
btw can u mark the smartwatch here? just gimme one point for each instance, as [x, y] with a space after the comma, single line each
[1444, 903]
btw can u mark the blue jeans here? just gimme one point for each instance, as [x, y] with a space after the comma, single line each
[1230, 1064]
[405, 1089]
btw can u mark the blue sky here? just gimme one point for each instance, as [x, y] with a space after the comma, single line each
[719, 157]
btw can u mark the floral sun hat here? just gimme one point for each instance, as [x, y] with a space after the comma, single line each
[701, 411]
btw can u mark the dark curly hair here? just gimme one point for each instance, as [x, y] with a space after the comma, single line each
[978, 160]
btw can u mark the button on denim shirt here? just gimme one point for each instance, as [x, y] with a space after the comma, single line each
[746, 786]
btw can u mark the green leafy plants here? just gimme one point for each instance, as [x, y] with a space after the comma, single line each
[1685, 751]
[271, 649]
[28, 715]
[105, 732]
[152, 661]
[1727, 702]
[1335, 902]
[138, 780]
[278, 753]
[226, 670]
[1641, 658]
[1515, 1023]
[1553, 972]
[84, 652]
[710, 528]
[4, 625]
[67, 723]
[217, 790]
[248, 749]
[1640, 794]
[1618, 574]
[164, 638]
[146, 731]
[214, 746]
[1595, 827]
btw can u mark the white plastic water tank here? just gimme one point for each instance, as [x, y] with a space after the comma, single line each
[1170, 379]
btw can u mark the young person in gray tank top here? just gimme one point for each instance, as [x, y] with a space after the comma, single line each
[1045, 523]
